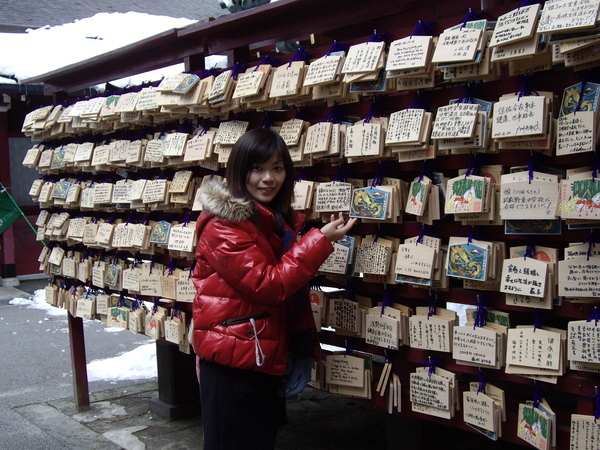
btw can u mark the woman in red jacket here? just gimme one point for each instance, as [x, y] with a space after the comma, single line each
[253, 328]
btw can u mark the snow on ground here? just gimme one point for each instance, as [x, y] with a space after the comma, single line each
[38, 301]
[136, 364]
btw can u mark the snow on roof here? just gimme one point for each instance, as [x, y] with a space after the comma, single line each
[39, 13]
[43, 50]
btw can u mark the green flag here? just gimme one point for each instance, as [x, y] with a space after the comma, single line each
[9, 211]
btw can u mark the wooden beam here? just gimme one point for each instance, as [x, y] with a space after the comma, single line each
[78, 362]
[270, 23]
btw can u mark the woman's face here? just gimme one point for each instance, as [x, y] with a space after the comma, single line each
[265, 179]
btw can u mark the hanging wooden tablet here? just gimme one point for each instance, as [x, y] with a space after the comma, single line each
[175, 144]
[418, 195]
[364, 139]
[412, 52]
[333, 197]
[287, 79]
[325, 69]
[185, 289]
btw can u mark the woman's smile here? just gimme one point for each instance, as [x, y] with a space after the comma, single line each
[265, 179]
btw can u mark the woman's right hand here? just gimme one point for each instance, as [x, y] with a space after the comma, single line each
[337, 228]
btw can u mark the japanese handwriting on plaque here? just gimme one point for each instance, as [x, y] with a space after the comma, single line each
[180, 181]
[220, 84]
[286, 80]
[344, 315]
[480, 410]
[363, 57]
[455, 121]
[430, 333]
[524, 276]
[382, 331]
[539, 348]
[147, 99]
[405, 126]
[230, 131]
[318, 137]
[100, 155]
[475, 345]
[175, 144]
[579, 277]
[559, 15]
[323, 70]
[333, 197]
[459, 45]
[155, 191]
[249, 84]
[583, 341]
[524, 116]
[576, 133]
[154, 151]
[363, 139]
[337, 262]
[585, 432]
[182, 237]
[291, 130]
[429, 390]
[373, 257]
[415, 260]
[515, 25]
[528, 200]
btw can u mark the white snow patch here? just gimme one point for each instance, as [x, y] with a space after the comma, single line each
[38, 301]
[81, 39]
[137, 364]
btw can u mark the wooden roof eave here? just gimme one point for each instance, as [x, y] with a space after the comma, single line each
[265, 24]
[142, 56]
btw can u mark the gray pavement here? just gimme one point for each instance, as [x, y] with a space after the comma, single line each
[37, 410]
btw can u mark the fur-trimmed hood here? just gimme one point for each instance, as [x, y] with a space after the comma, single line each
[218, 200]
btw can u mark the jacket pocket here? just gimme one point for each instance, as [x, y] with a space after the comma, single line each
[243, 329]
[244, 319]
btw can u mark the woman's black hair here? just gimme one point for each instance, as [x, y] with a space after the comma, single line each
[257, 146]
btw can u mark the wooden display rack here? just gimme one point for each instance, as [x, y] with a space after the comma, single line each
[317, 24]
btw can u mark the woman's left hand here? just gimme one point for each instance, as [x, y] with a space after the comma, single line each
[337, 228]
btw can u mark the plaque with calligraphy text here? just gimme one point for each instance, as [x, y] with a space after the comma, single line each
[558, 16]
[515, 25]
[345, 370]
[413, 52]
[333, 197]
[585, 431]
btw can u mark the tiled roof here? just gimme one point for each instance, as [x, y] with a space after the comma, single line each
[38, 13]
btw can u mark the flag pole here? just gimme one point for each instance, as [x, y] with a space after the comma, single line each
[3, 189]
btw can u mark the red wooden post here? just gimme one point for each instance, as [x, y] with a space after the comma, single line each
[78, 363]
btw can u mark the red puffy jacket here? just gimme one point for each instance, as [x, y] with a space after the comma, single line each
[240, 275]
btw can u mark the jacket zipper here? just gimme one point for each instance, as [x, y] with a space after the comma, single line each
[244, 319]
